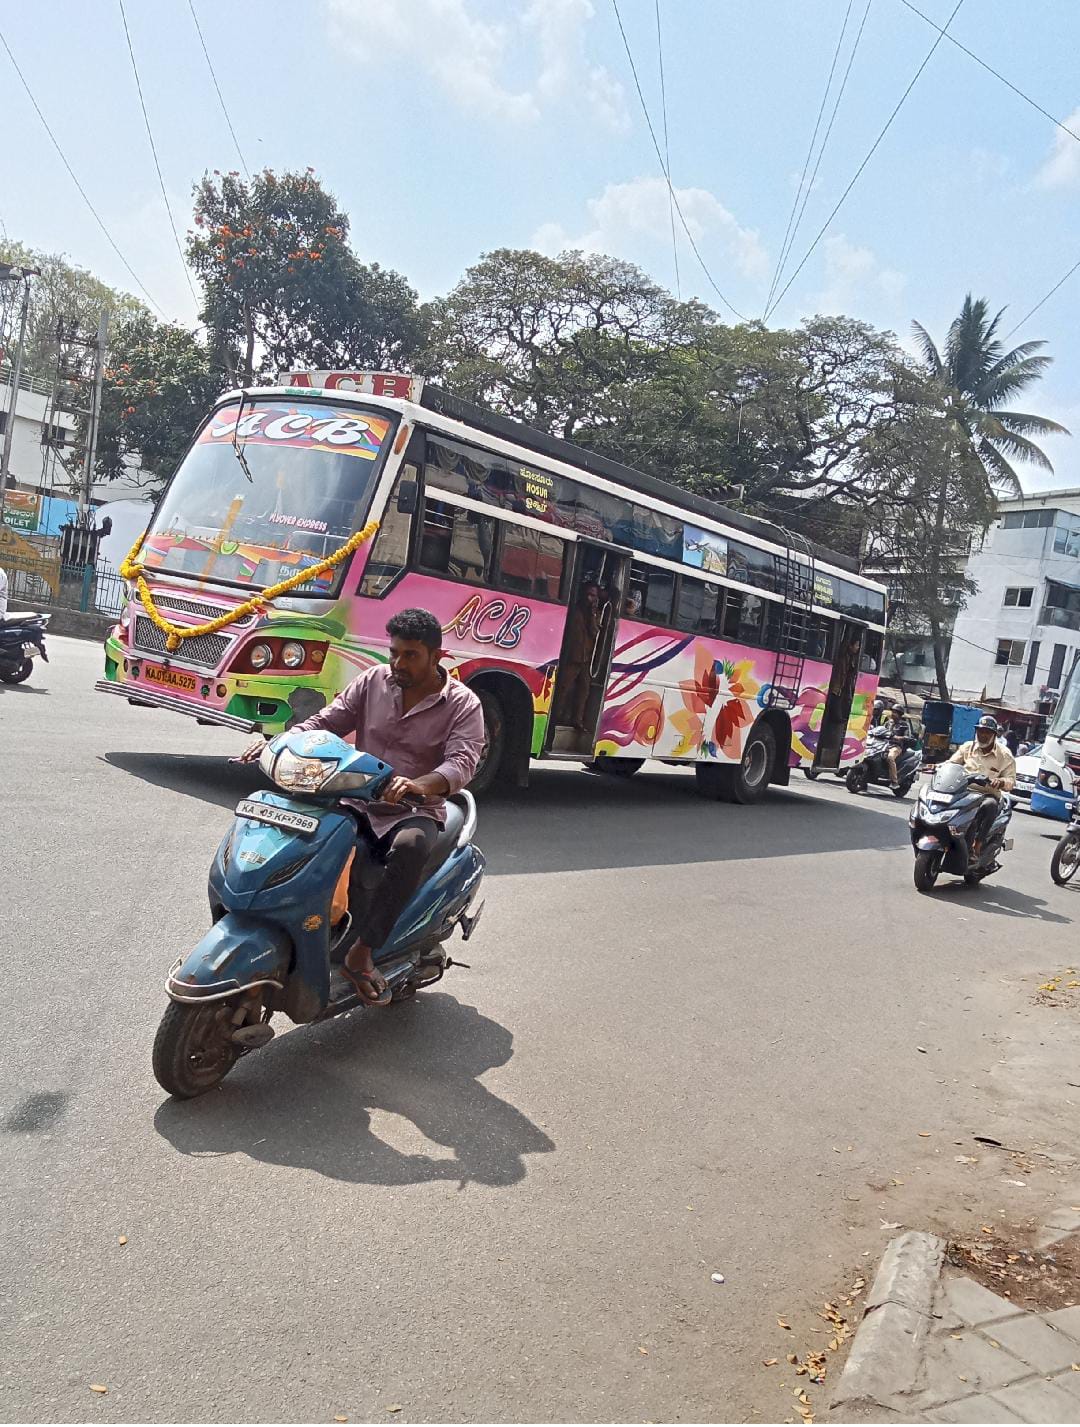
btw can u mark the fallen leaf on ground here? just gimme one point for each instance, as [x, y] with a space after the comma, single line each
[924, 1134]
[1075, 1367]
[769, 1362]
[340, 1417]
[781, 1324]
[395, 1408]
[885, 1224]
[122, 1239]
[966, 1159]
[98, 1387]
[792, 1358]
[644, 1352]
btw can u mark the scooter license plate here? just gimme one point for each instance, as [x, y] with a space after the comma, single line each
[302, 823]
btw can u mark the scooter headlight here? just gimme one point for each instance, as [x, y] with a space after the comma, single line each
[302, 775]
[347, 782]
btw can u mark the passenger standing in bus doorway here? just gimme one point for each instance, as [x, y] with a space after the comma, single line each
[582, 631]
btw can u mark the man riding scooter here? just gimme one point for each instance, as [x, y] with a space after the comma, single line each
[411, 714]
[987, 755]
[901, 737]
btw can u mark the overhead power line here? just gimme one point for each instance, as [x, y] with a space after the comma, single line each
[1046, 298]
[869, 155]
[667, 149]
[71, 173]
[996, 73]
[217, 87]
[153, 150]
[664, 168]
[828, 131]
[809, 155]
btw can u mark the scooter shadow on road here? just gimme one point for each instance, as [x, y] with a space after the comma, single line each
[570, 820]
[1001, 901]
[22, 689]
[307, 1100]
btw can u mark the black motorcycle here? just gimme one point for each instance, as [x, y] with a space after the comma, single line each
[1066, 858]
[954, 830]
[873, 766]
[22, 640]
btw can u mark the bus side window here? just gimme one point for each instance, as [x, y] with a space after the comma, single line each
[455, 542]
[697, 607]
[870, 663]
[390, 553]
[529, 563]
[819, 645]
[742, 617]
[657, 590]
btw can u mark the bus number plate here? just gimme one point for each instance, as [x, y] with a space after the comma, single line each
[170, 678]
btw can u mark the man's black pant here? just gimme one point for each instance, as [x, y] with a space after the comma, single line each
[403, 851]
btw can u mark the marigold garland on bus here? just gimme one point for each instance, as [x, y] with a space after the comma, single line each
[174, 634]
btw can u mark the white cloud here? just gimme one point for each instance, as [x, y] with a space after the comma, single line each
[627, 213]
[469, 56]
[854, 278]
[1062, 168]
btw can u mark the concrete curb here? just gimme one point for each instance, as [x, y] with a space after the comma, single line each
[883, 1365]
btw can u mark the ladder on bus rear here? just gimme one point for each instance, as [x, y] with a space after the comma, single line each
[796, 583]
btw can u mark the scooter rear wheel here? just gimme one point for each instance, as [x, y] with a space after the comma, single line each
[1066, 860]
[927, 868]
[193, 1049]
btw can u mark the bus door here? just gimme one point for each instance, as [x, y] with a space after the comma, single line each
[597, 591]
[838, 700]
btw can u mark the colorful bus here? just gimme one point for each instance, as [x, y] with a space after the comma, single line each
[714, 639]
[1059, 765]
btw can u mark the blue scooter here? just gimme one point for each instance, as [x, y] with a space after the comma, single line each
[272, 947]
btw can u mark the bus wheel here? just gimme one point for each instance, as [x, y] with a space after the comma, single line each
[495, 730]
[615, 767]
[746, 781]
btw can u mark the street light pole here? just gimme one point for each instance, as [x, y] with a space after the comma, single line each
[13, 274]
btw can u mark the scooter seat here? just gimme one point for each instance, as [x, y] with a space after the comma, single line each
[446, 840]
[7, 620]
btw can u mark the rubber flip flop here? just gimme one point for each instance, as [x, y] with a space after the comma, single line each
[366, 979]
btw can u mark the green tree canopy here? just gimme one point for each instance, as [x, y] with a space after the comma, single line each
[282, 287]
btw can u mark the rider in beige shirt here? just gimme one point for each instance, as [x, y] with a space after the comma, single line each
[986, 755]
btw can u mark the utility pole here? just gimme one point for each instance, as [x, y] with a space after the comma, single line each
[95, 417]
[13, 274]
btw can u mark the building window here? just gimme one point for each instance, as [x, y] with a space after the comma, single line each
[1019, 596]
[1010, 651]
[1057, 664]
[1029, 519]
[1033, 657]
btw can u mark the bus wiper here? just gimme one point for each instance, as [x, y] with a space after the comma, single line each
[238, 451]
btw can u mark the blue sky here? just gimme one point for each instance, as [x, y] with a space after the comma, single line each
[450, 127]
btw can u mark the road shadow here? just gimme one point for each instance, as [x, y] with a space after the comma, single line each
[1000, 901]
[209, 779]
[306, 1101]
[22, 689]
[568, 820]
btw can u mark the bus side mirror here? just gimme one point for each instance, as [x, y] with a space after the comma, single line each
[407, 494]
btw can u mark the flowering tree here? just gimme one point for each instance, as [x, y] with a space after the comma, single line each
[283, 288]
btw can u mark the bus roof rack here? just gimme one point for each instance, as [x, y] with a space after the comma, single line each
[446, 404]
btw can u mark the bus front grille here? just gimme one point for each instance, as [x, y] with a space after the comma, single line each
[205, 649]
[203, 611]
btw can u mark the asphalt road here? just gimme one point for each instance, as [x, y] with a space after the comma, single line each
[689, 1038]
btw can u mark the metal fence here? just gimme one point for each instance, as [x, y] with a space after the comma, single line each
[89, 589]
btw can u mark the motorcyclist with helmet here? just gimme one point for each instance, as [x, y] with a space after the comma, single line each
[986, 755]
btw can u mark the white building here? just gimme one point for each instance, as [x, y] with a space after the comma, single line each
[31, 412]
[1019, 635]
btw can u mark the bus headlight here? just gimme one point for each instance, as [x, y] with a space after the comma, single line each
[125, 616]
[292, 655]
[259, 655]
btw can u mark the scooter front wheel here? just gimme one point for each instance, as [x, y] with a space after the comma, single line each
[194, 1049]
[1066, 860]
[927, 867]
[856, 780]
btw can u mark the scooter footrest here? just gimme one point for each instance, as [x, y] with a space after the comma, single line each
[1006, 846]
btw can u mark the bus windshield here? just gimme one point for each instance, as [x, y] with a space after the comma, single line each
[1067, 714]
[258, 499]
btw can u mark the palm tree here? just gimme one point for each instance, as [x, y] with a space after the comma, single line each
[973, 380]
[977, 376]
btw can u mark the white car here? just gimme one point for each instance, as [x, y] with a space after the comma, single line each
[1027, 772]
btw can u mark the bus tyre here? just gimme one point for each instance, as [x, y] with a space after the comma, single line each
[812, 773]
[615, 767]
[495, 735]
[745, 781]
[1066, 860]
[193, 1049]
